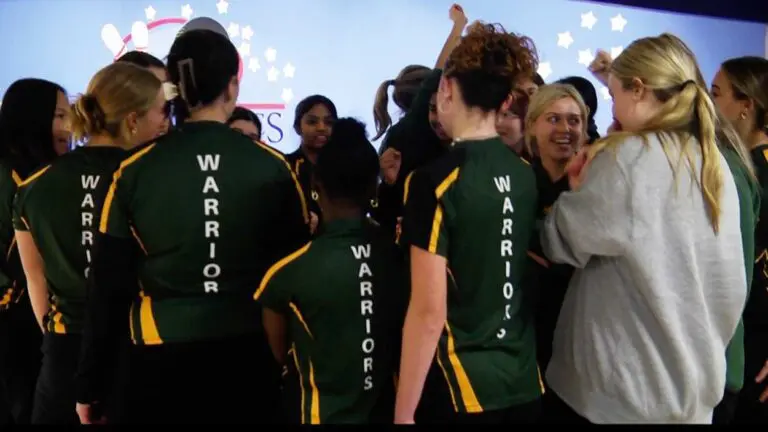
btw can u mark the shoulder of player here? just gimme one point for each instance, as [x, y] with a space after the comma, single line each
[35, 177]
[442, 172]
[290, 261]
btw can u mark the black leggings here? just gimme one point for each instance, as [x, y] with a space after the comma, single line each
[224, 381]
[20, 357]
[55, 391]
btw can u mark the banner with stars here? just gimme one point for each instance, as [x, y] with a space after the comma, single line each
[343, 49]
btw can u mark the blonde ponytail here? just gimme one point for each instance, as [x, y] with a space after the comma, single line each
[711, 168]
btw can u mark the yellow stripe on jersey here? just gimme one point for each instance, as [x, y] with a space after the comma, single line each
[300, 317]
[314, 410]
[437, 220]
[138, 240]
[149, 333]
[541, 381]
[104, 222]
[302, 198]
[55, 321]
[467, 393]
[407, 187]
[33, 177]
[279, 265]
[447, 379]
[301, 381]
[16, 178]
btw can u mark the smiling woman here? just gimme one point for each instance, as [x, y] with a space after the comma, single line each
[556, 125]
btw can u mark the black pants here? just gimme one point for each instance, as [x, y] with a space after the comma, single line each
[55, 392]
[557, 412]
[726, 409]
[20, 357]
[436, 407]
[749, 409]
[224, 381]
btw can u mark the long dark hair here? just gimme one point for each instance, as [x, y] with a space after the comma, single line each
[26, 118]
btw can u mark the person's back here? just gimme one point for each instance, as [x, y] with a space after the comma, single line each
[487, 206]
[347, 291]
[199, 201]
[60, 206]
[650, 347]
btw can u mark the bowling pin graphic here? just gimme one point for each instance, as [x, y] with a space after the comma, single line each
[140, 36]
[112, 39]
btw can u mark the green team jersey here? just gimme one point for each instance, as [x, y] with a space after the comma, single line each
[476, 207]
[211, 210]
[12, 281]
[344, 295]
[60, 206]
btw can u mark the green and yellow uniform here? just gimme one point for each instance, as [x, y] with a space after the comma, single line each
[11, 274]
[344, 295]
[476, 207]
[212, 210]
[60, 206]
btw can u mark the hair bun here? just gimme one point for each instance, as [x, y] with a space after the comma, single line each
[93, 110]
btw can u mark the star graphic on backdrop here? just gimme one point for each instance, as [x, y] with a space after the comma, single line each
[222, 6]
[605, 93]
[286, 95]
[244, 49]
[272, 74]
[270, 54]
[588, 20]
[586, 57]
[616, 51]
[289, 70]
[186, 11]
[246, 32]
[150, 13]
[253, 64]
[618, 22]
[545, 70]
[233, 30]
[564, 40]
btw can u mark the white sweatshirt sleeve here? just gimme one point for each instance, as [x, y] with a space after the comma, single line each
[596, 219]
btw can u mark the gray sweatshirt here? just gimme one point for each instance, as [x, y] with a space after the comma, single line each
[656, 296]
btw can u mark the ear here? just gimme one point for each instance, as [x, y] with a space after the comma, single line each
[444, 94]
[747, 105]
[508, 102]
[131, 122]
[638, 89]
[233, 90]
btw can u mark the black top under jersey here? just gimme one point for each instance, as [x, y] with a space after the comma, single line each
[302, 167]
[549, 279]
[756, 312]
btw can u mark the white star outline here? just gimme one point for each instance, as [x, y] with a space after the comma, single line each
[618, 23]
[245, 33]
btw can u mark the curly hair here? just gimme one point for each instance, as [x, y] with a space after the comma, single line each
[488, 62]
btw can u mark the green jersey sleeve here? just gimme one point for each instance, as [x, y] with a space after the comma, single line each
[424, 224]
[115, 218]
[274, 291]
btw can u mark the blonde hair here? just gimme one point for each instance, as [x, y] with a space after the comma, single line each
[114, 93]
[543, 99]
[406, 86]
[668, 68]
